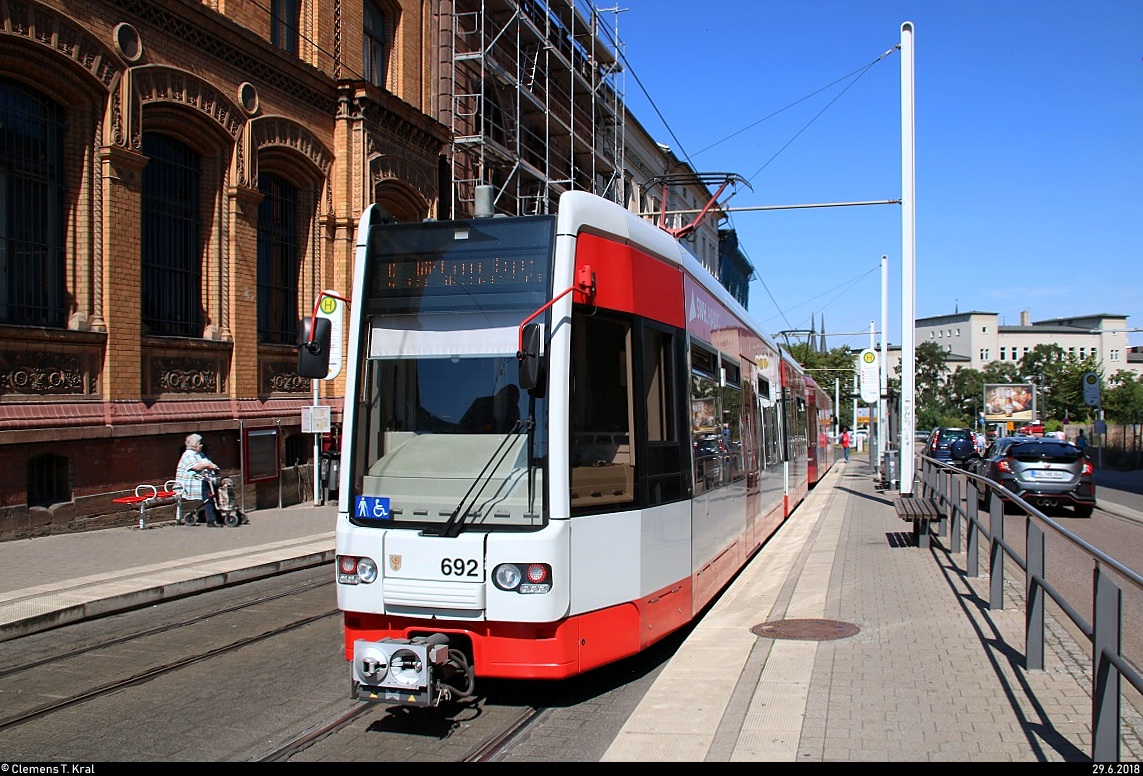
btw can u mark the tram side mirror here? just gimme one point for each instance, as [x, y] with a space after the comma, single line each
[530, 360]
[313, 353]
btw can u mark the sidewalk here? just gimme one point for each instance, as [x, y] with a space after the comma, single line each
[839, 642]
[121, 568]
[930, 673]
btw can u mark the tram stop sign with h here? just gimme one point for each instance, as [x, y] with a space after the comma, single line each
[870, 374]
[332, 308]
[1091, 389]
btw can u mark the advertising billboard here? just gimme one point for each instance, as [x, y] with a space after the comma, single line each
[703, 418]
[1009, 402]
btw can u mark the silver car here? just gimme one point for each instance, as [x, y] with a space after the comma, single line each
[1044, 472]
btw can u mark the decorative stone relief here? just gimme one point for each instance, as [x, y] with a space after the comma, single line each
[41, 374]
[282, 377]
[42, 25]
[183, 375]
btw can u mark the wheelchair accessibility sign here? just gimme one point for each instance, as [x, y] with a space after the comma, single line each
[372, 508]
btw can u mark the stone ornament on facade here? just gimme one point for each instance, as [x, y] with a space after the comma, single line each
[41, 374]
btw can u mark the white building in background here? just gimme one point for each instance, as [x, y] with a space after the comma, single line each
[973, 339]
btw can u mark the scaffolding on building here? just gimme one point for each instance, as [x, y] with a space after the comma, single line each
[534, 95]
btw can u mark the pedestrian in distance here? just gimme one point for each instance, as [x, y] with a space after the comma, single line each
[1081, 442]
[193, 467]
[845, 444]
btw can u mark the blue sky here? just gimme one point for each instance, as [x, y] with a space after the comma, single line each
[1029, 149]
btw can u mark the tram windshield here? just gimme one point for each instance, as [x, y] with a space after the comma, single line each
[441, 422]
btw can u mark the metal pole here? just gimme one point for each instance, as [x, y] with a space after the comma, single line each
[278, 445]
[882, 403]
[908, 261]
[317, 452]
[1103, 437]
[836, 408]
[869, 437]
[853, 417]
[242, 460]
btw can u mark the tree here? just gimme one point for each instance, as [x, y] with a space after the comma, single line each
[825, 368]
[1123, 397]
[1058, 377]
[964, 389]
[929, 397]
[1001, 372]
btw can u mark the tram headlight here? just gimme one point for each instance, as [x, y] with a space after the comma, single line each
[524, 578]
[352, 570]
[507, 576]
[366, 570]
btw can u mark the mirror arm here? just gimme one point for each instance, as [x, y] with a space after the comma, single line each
[585, 284]
[311, 345]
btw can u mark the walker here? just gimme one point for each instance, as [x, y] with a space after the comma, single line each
[221, 492]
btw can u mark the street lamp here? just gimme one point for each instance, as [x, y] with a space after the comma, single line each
[975, 411]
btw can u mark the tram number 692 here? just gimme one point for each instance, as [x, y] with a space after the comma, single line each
[459, 567]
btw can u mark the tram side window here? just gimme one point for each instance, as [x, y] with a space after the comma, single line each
[732, 421]
[600, 413]
[710, 450]
[658, 384]
[771, 436]
[663, 456]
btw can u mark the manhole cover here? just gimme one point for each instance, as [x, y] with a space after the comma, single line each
[805, 630]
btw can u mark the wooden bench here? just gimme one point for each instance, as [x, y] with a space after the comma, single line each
[147, 495]
[921, 512]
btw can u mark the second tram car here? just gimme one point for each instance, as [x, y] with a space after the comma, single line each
[819, 416]
[562, 438]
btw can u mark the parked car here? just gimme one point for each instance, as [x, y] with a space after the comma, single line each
[939, 446]
[712, 461]
[921, 436]
[1045, 472]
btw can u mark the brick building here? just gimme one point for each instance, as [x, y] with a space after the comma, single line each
[178, 180]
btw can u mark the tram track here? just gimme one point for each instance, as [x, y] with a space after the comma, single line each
[486, 750]
[72, 652]
[41, 687]
[494, 745]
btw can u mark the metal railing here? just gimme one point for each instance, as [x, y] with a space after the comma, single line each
[957, 493]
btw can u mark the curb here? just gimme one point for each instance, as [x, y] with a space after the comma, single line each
[135, 599]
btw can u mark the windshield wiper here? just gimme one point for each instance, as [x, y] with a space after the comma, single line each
[451, 528]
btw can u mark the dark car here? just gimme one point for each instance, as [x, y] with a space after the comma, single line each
[1045, 472]
[712, 461]
[940, 444]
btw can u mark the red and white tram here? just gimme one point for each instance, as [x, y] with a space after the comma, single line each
[819, 416]
[562, 438]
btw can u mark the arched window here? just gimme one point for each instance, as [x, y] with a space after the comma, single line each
[278, 260]
[375, 44]
[171, 250]
[284, 24]
[48, 480]
[32, 282]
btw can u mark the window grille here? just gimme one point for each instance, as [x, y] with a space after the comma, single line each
[299, 449]
[32, 282]
[47, 480]
[277, 260]
[171, 254]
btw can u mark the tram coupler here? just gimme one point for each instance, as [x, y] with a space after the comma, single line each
[409, 672]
